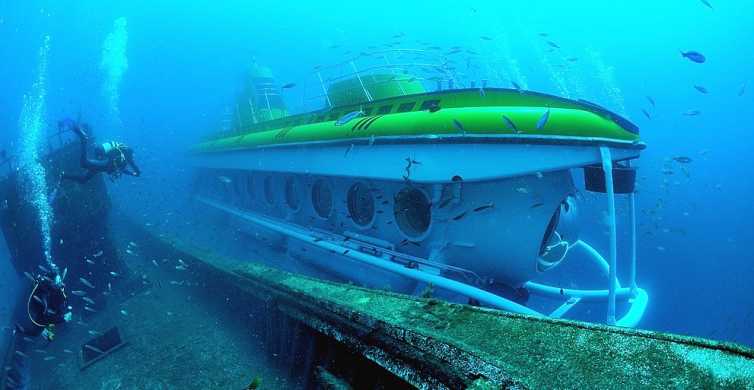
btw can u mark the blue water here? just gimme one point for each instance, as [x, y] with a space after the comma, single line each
[185, 61]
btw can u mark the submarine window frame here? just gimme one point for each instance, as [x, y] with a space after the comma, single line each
[292, 193]
[403, 221]
[406, 107]
[384, 110]
[250, 194]
[322, 183]
[357, 219]
[269, 193]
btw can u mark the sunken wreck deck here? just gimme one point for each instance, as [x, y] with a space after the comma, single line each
[421, 342]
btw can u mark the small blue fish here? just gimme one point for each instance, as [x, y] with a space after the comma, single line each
[553, 44]
[509, 123]
[692, 113]
[651, 101]
[646, 114]
[694, 56]
[742, 91]
[701, 89]
[705, 2]
[543, 120]
[516, 86]
[288, 86]
[348, 117]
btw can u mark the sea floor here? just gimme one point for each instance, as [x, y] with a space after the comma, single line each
[176, 336]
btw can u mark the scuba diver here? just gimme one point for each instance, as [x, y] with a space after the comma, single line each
[46, 307]
[113, 158]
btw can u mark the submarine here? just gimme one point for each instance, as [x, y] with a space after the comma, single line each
[404, 180]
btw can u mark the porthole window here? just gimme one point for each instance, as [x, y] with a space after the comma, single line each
[412, 212]
[361, 204]
[292, 193]
[269, 194]
[322, 198]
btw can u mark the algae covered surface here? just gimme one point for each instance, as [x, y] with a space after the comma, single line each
[543, 353]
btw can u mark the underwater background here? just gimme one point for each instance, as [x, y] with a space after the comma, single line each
[171, 69]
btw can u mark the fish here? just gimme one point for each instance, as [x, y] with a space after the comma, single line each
[89, 261]
[88, 300]
[86, 283]
[181, 267]
[535, 205]
[651, 101]
[130, 252]
[133, 244]
[516, 86]
[87, 308]
[23, 355]
[93, 348]
[544, 34]
[98, 254]
[692, 113]
[45, 270]
[114, 274]
[543, 120]
[350, 148]
[742, 91]
[155, 263]
[572, 59]
[225, 179]
[694, 56]
[28, 275]
[287, 86]
[125, 313]
[701, 89]
[78, 293]
[460, 216]
[646, 114]
[484, 207]
[459, 126]
[522, 190]
[48, 358]
[553, 44]
[682, 159]
[38, 299]
[348, 117]
[707, 4]
[485, 38]
[66, 350]
[509, 123]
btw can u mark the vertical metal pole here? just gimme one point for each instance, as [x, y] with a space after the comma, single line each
[632, 212]
[358, 76]
[607, 167]
[322, 83]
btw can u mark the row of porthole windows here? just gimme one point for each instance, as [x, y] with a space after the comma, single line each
[411, 206]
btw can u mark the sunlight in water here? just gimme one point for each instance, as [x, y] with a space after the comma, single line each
[114, 64]
[32, 124]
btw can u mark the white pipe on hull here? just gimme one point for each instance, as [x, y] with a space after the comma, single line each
[439, 281]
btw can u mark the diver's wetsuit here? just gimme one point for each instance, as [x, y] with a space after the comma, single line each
[46, 305]
[111, 158]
